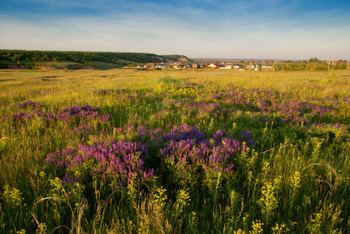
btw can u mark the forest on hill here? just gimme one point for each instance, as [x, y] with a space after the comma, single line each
[33, 58]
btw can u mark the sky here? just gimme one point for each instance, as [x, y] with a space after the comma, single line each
[270, 29]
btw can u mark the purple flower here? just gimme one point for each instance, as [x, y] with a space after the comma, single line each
[29, 104]
[120, 160]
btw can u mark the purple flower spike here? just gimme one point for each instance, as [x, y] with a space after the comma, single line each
[106, 160]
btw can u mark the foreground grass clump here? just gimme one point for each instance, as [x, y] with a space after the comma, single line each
[174, 151]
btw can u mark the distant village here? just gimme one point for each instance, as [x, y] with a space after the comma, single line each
[184, 63]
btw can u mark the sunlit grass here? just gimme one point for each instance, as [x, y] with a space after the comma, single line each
[231, 151]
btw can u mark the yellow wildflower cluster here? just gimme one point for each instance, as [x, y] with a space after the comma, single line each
[315, 223]
[295, 179]
[42, 228]
[268, 201]
[183, 198]
[159, 200]
[239, 231]
[56, 186]
[257, 227]
[278, 229]
[266, 168]
[12, 196]
[194, 218]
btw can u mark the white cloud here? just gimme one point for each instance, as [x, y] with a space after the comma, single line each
[184, 32]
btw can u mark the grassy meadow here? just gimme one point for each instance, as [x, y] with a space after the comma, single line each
[191, 151]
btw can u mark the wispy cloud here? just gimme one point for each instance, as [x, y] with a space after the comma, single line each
[245, 29]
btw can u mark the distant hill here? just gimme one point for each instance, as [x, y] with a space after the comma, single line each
[36, 59]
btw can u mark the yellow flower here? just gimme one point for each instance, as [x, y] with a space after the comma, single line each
[257, 227]
[278, 229]
[295, 179]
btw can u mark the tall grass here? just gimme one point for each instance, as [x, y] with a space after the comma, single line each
[174, 151]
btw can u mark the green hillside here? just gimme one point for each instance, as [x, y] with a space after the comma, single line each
[32, 59]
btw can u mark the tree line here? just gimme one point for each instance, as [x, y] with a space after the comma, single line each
[312, 64]
[18, 56]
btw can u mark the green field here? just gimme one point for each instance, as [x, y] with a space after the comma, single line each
[191, 151]
[107, 66]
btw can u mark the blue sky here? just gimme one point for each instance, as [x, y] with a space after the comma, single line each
[276, 29]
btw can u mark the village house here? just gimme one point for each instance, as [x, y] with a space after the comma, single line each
[161, 66]
[237, 66]
[225, 67]
[176, 65]
[141, 67]
[204, 65]
[212, 65]
[257, 67]
[196, 65]
[150, 65]
[250, 66]
[267, 67]
[186, 66]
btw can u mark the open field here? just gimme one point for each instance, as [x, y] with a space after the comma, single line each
[192, 151]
